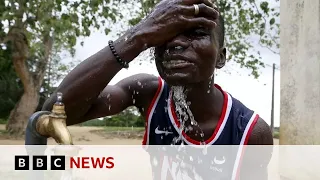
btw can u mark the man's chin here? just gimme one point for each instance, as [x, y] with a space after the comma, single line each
[177, 79]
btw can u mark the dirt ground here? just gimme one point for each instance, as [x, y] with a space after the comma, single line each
[81, 136]
[88, 136]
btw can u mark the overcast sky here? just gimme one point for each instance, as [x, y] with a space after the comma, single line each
[254, 93]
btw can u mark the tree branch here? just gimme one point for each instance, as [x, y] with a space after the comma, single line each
[42, 66]
[265, 21]
[5, 39]
[23, 73]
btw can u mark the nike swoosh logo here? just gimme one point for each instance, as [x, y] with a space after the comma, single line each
[157, 131]
[219, 162]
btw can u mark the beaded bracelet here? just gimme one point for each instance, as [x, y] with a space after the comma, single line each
[116, 55]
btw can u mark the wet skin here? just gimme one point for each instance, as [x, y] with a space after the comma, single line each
[171, 24]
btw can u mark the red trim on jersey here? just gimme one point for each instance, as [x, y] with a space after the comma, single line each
[254, 122]
[222, 117]
[149, 111]
[250, 129]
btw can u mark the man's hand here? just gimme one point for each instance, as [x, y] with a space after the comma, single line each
[171, 17]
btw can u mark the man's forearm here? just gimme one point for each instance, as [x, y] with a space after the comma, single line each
[86, 81]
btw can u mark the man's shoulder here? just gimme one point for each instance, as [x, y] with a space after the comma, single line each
[239, 107]
[143, 87]
[261, 132]
[141, 81]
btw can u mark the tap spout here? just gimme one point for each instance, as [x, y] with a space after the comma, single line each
[55, 125]
[46, 124]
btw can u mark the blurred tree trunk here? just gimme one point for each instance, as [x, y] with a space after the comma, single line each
[31, 81]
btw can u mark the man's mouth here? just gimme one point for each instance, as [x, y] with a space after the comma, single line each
[177, 64]
[174, 60]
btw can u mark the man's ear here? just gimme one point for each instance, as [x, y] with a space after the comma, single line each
[222, 58]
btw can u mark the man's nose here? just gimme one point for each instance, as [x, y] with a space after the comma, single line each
[178, 41]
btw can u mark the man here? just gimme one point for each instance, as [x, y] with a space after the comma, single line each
[189, 39]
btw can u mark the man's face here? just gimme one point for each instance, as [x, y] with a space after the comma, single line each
[190, 57]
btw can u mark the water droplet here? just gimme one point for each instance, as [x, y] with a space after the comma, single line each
[139, 83]
[205, 150]
[208, 91]
[108, 96]
[109, 107]
[155, 161]
[191, 159]
[59, 96]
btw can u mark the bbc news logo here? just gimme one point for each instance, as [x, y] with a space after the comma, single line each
[60, 162]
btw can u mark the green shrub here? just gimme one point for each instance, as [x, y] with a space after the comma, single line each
[276, 135]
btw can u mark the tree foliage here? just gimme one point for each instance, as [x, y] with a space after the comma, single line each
[127, 118]
[56, 70]
[244, 19]
[10, 85]
[33, 29]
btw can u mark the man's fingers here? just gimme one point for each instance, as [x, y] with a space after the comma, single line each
[209, 3]
[204, 11]
[207, 11]
[198, 22]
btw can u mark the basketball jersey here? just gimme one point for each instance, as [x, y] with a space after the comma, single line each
[162, 127]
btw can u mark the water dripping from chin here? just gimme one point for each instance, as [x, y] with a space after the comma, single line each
[184, 113]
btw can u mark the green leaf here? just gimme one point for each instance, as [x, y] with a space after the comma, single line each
[272, 21]
[107, 31]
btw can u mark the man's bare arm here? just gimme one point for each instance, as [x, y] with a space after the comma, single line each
[137, 90]
[258, 154]
[83, 85]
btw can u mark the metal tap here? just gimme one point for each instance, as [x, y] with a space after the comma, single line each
[54, 124]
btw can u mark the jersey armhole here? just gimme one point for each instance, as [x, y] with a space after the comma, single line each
[247, 132]
[244, 141]
[150, 110]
